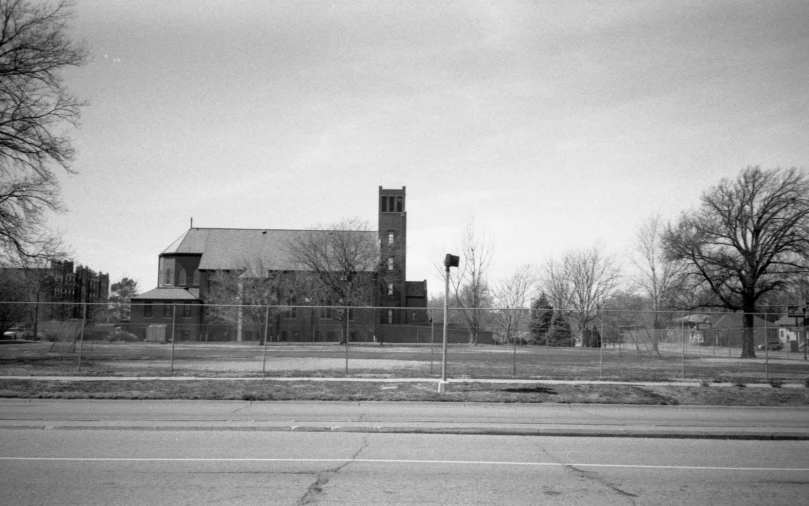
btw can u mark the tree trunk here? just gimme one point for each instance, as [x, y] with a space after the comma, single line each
[748, 332]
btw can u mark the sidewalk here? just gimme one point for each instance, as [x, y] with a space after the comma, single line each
[571, 420]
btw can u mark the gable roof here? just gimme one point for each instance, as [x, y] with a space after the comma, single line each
[232, 248]
[188, 294]
[720, 320]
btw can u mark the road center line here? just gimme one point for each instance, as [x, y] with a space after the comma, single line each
[402, 461]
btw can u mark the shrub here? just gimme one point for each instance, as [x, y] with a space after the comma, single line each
[776, 383]
[122, 336]
[705, 383]
[739, 383]
[806, 382]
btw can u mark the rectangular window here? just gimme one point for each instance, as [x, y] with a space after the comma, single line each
[167, 310]
[196, 277]
[147, 309]
[391, 236]
[390, 288]
[384, 204]
[291, 313]
[325, 313]
[390, 263]
[187, 310]
[399, 204]
[390, 316]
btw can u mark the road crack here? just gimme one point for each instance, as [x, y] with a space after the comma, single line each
[587, 475]
[323, 477]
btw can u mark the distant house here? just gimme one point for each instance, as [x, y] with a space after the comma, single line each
[723, 329]
[188, 268]
[790, 330]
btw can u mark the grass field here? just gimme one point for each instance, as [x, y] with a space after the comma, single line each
[405, 361]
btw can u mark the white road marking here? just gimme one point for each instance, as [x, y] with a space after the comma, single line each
[402, 461]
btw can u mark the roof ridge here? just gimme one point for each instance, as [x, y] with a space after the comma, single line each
[281, 229]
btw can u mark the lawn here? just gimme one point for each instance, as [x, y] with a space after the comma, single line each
[274, 390]
[403, 361]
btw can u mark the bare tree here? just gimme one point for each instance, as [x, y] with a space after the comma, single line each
[345, 262]
[656, 275]
[748, 238]
[468, 284]
[580, 282]
[35, 107]
[512, 297]
[250, 296]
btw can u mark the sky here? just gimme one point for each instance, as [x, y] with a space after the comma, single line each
[552, 125]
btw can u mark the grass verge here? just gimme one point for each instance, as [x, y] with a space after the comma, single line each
[269, 390]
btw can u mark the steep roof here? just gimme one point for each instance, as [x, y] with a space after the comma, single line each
[169, 294]
[232, 248]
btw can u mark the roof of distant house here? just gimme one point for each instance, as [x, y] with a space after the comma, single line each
[234, 248]
[188, 294]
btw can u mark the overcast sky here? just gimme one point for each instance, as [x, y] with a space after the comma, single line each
[552, 124]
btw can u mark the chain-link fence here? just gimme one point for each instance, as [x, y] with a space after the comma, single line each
[161, 338]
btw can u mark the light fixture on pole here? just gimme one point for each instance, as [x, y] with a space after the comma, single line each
[449, 261]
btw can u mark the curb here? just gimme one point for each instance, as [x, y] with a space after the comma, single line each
[763, 435]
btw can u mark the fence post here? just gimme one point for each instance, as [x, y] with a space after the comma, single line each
[432, 340]
[264, 357]
[514, 372]
[601, 343]
[81, 337]
[173, 319]
[766, 349]
[682, 338]
[348, 333]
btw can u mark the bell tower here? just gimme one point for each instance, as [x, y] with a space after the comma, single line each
[393, 245]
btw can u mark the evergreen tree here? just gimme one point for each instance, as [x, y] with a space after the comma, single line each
[561, 334]
[541, 317]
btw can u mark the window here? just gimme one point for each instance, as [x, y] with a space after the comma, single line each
[384, 206]
[183, 278]
[399, 204]
[196, 277]
[147, 309]
[291, 313]
[185, 335]
[390, 263]
[390, 288]
[325, 313]
[168, 281]
[390, 316]
[167, 310]
[391, 236]
[186, 310]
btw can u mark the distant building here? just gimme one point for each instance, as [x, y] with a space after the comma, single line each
[61, 283]
[186, 269]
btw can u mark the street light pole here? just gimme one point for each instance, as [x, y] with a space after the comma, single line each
[449, 261]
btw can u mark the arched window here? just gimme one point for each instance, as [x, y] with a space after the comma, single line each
[196, 277]
[183, 278]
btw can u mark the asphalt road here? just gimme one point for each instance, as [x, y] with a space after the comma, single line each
[237, 467]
